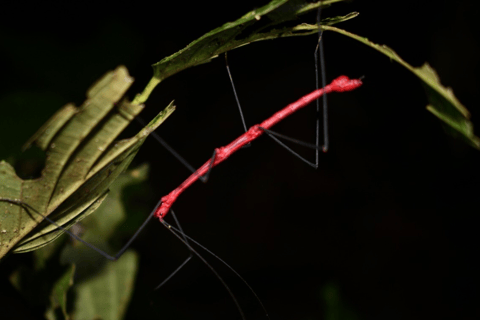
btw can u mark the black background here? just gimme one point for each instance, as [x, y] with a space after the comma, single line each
[389, 217]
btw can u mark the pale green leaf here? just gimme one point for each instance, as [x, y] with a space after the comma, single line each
[58, 297]
[82, 161]
[106, 295]
[48, 282]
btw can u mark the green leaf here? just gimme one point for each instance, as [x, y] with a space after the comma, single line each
[49, 280]
[443, 103]
[82, 161]
[106, 294]
[268, 22]
[58, 297]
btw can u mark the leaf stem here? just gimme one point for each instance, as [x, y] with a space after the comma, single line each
[142, 97]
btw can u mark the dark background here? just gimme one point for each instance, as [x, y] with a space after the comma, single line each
[389, 217]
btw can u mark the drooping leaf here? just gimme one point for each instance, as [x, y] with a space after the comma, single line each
[443, 103]
[249, 28]
[103, 289]
[268, 22]
[51, 277]
[58, 297]
[82, 161]
[106, 294]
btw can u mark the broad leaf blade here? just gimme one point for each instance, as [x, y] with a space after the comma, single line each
[249, 28]
[82, 161]
[58, 297]
[443, 103]
[48, 281]
[91, 193]
[106, 295]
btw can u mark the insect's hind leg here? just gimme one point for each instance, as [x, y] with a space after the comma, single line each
[236, 98]
[162, 142]
[115, 257]
[274, 136]
[319, 56]
[235, 93]
[182, 237]
[173, 229]
[185, 261]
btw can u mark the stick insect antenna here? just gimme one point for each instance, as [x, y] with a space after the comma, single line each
[319, 51]
[170, 228]
[224, 263]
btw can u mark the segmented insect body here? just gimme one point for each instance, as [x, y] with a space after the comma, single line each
[339, 85]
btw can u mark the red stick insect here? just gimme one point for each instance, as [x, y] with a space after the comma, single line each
[341, 84]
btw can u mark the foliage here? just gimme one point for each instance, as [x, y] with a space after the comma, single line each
[81, 164]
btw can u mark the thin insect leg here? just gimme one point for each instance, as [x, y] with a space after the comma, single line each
[319, 49]
[302, 143]
[27, 207]
[184, 262]
[125, 247]
[313, 165]
[208, 265]
[236, 98]
[170, 149]
[173, 273]
[227, 265]
[210, 166]
[178, 224]
[235, 93]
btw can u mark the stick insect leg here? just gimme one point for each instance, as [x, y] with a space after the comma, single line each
[115, 257]
[299, 142]
[224, 263]
[184, 262]
[204, 178]
[210, 166]
[236, 98]
[169, 227]
[272, 135]
[319, 55]
[235, 93]
[160, 140]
